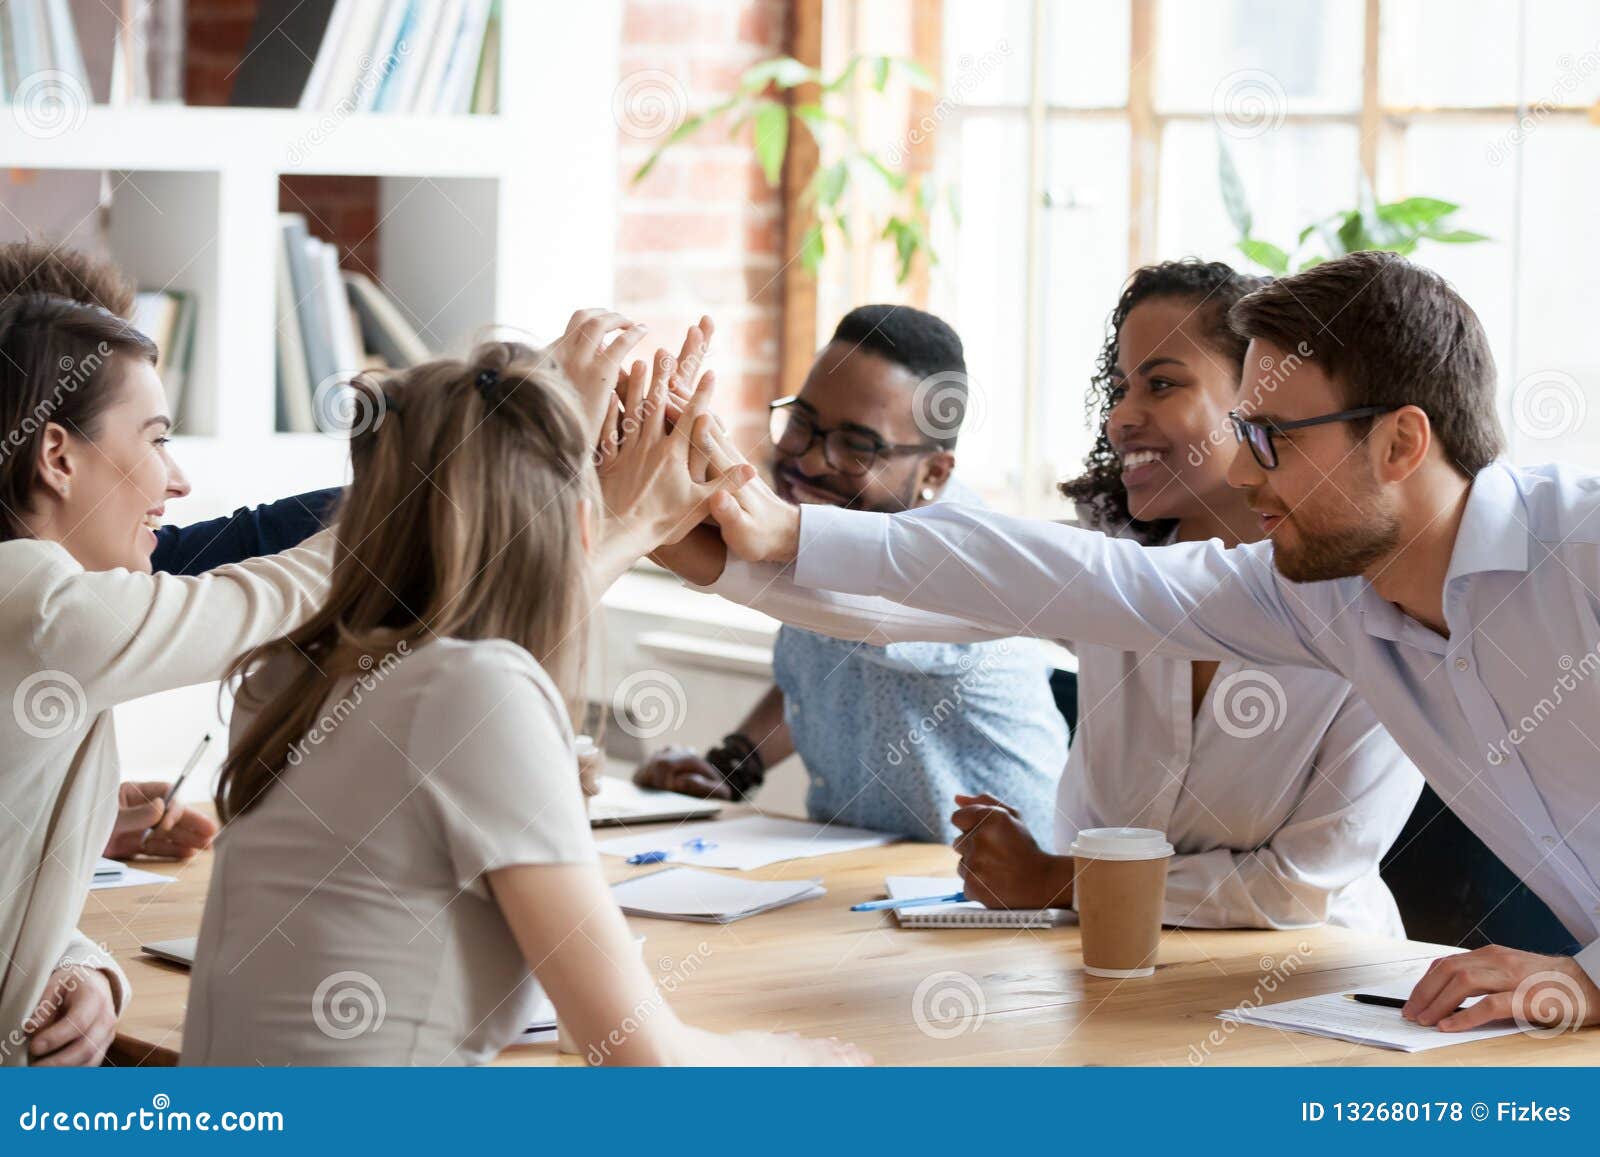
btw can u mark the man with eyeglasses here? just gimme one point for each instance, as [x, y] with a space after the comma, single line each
[1459, 595]
[889, 734]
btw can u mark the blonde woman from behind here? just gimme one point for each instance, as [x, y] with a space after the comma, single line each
[406, 857]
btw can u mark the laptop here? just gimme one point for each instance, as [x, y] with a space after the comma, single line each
[621, 801]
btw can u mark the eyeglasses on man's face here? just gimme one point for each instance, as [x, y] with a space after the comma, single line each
[852, 450]
[1258, 433]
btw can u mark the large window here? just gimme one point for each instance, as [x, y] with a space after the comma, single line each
[1082, 138]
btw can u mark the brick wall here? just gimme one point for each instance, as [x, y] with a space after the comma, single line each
[703, 231]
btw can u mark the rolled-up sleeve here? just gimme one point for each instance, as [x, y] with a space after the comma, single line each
[85, 953]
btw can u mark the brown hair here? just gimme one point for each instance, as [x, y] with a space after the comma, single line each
[1212, 288]
[462, 520]
[57, 365]
[1389, 333]
[34, 267]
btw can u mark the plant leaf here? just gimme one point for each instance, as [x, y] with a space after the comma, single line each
[1234, 199]
[1265, 254]
[830, 183]
[1455, 236]
[880, 73]
[782, 71]
[771, 139]
[1416, 211]
[916, 75]
[1310, 262]
[812, 247]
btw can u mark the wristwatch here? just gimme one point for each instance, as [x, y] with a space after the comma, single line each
[740, 763]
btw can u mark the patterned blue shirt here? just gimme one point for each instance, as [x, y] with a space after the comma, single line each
[889, 734]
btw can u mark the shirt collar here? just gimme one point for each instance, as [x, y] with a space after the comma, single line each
[1493, 534]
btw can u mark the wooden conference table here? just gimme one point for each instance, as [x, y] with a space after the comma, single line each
[933, 997]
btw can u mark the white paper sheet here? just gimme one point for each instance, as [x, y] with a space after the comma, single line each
[131, 877]
[705, 897]
[1335, 1015]
[747, 842]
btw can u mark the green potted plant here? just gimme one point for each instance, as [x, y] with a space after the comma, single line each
[1397, 226]
[762, 100]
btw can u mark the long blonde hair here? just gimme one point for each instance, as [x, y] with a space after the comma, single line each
[463, 519]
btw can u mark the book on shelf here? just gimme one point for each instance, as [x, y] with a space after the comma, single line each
[114, 52]
[167, 317]
[331, 325]
[423, 57]
[278, 60]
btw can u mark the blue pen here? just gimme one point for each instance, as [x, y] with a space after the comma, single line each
[915, 902]
[698, 844]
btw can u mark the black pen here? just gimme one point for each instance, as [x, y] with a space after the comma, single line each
[1370, 998]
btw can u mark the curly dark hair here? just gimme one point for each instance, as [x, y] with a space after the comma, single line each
[1213, 287]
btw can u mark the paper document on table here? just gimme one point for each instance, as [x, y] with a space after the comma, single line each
[748, 842]
[1335, 1015]
[111, 874]
[707, 898]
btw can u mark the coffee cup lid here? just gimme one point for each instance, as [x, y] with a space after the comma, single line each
[1121, 844]
[586, 745]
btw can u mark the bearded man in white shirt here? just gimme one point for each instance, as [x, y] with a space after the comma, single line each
[1456, 593]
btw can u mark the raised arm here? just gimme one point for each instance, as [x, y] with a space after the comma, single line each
[120, 635]
[1019, 576]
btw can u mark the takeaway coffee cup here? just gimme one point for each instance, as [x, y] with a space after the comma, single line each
[1118, 883]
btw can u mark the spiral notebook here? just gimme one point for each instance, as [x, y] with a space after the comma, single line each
[969, 914]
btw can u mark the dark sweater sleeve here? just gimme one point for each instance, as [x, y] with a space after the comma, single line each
[248, 532]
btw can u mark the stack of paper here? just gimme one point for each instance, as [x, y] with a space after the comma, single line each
[1336, 1016]
[707, 898]
[750, 842]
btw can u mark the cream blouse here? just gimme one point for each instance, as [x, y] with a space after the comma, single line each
[74, 644]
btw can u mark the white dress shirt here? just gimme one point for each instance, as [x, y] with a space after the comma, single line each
[1280, 795]
[1502, 716]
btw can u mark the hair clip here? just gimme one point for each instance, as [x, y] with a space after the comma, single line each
[487, 380]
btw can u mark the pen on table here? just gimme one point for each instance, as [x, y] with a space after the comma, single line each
[1373, 998]
[172, 792]
[910, 902]
[695, 845]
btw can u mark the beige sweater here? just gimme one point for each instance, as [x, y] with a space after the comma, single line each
[74, 644]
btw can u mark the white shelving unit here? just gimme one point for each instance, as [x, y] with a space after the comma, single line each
[505, 219]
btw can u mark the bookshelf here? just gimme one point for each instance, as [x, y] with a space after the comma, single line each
[506, 218]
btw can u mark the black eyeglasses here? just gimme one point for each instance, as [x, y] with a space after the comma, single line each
[1257, 433]
[848, 449]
